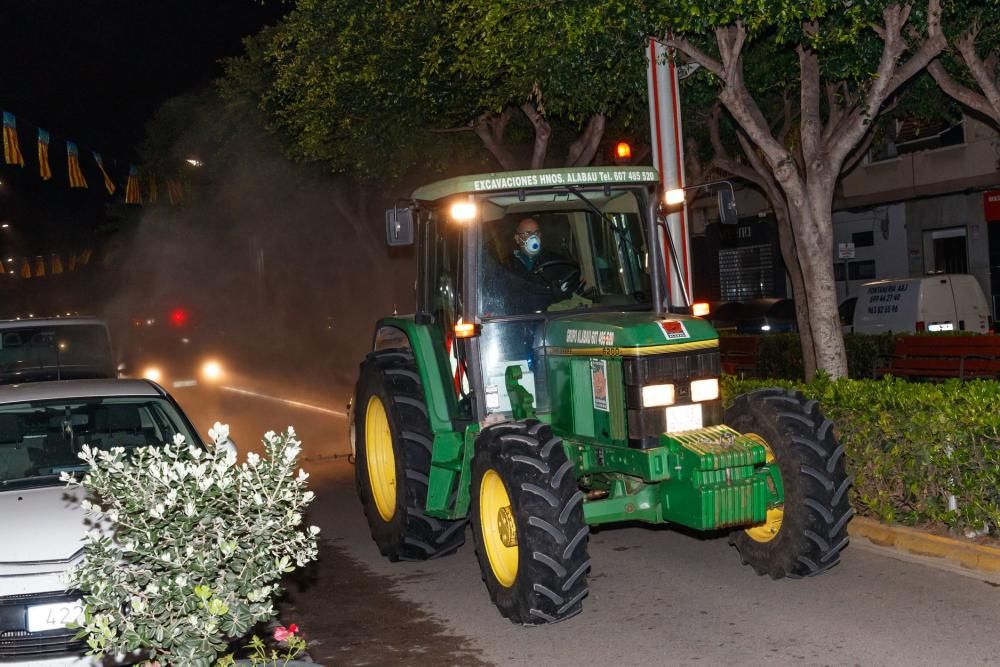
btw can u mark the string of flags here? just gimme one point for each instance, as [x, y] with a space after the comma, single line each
[39, 266]
[13, 156]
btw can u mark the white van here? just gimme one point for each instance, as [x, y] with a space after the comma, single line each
[942, 302]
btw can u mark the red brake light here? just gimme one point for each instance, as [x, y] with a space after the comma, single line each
[178, 317]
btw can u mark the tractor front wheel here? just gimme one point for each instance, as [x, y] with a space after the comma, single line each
[527, 519]
[393, 461]
[805, 535]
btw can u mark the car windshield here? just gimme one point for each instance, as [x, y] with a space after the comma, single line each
[562, 250]
[55, 352]
[41, 439]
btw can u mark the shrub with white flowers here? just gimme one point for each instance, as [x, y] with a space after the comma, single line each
[197, 544]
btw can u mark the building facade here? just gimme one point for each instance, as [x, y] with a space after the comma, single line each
[925, 200]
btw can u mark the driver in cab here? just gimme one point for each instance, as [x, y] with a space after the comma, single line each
[533, 263]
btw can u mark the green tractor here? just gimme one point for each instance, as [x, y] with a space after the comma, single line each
[544, 386]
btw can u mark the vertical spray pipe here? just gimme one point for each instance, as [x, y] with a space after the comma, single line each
[663, 86]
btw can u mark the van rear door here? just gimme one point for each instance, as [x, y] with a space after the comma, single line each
[971, 310]
[937, 304]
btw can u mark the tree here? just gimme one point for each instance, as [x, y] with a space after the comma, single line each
[851, 59]
[375, 88]
[970, 70]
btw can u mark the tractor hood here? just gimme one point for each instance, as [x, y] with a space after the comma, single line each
[623, 333]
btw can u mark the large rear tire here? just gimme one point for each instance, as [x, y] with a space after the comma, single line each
[805, 536]
[531, 539]
[393, 461]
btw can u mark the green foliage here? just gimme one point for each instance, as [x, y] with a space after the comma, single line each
[197, 547]
[368, 87]
[911, 445]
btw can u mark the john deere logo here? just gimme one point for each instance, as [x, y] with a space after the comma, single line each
[505, 523]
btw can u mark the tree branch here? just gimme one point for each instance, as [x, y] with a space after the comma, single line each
[490, 129]
[542, 133]
[960, 93]
[889, 75]
[983, 71]
[697, 55]
[582, 151]
[811, 125]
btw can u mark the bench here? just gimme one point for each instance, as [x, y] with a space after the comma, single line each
[933, 357]
[738, 354]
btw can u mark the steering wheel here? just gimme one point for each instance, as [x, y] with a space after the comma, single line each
[572, 282]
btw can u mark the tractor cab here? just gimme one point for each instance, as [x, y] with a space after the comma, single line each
[515, 264]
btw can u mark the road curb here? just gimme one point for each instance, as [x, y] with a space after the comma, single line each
[920, 543]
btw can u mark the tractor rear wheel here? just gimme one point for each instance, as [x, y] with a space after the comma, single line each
[393, 461]
[804, 536]
[527, 521]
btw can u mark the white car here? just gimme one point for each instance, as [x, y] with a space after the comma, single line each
[42, 427]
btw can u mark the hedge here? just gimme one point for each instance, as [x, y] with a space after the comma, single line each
[911, 445]
[780, 355]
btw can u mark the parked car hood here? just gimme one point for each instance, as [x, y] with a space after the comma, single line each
[41, 526]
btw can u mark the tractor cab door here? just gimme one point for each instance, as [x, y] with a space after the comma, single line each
[439, 295]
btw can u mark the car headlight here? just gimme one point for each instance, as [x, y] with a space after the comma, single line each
[657, 395]
[705, 390]
[212, 371]
[153, 374]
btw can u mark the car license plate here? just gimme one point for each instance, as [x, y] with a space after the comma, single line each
[684, 418]
[54, 616]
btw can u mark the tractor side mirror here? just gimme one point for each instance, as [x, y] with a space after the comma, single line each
[399, 226]
[727, 206]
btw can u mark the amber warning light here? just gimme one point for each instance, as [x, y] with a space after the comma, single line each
[700, 309]
[466, 329]
[623, 151]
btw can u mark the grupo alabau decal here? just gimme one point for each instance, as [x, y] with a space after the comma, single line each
[590, 337]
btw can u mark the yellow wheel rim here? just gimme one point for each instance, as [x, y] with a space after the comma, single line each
[498, 528]
[768, 530]
[380, 458]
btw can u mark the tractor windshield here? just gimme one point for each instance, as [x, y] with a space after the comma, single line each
[546, 254]
[562, 250]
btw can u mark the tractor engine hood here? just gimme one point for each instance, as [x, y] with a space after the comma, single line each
[624, 334]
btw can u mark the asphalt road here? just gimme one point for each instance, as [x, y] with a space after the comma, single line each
[658, 596]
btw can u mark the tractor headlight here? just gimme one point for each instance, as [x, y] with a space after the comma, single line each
[705, 390]
[657, 395]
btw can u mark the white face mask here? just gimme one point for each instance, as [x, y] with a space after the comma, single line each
[533, 245]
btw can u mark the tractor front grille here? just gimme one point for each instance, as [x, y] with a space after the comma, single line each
[680, 368]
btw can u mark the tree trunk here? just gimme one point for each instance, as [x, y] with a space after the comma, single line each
[814, 245]
[786, 239]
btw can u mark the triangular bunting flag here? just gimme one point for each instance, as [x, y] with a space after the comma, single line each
[76, 179]
[154, 192]
[11, 147]
[132, 194]
[39, 267]
[109, 185]
[43, 155]
[56, 263]
[25, 268]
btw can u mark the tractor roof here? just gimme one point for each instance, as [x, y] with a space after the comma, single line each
[539, 178]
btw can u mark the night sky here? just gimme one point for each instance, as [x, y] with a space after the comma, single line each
[95, 71]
